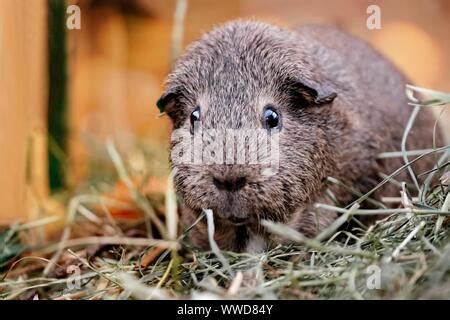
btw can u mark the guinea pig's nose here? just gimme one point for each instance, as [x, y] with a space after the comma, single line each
[230, 184]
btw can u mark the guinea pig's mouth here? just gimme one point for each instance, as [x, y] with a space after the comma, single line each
[237, 221]
[228, 220]
[231, 220]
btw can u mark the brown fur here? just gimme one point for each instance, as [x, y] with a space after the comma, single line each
[233, 71]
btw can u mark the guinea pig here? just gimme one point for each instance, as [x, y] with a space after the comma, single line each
[333, 103]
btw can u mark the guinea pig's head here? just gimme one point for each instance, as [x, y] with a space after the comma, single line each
[242, 82]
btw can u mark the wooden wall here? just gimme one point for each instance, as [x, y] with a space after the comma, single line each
[118, 60]
[23, 100]
[117, 65]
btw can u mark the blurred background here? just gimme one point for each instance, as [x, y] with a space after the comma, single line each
[63, 92]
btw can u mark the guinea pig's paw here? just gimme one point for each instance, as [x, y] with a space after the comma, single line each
[279, 240]
[198, 236]
[256, 244]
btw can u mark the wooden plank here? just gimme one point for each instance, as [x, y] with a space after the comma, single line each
[23, 99]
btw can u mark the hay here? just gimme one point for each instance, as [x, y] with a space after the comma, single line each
[405, 255]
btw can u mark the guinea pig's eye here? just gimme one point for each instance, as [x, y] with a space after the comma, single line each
[271, 118]
[195, 116]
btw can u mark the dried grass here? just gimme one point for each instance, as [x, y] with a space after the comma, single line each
[101, 257]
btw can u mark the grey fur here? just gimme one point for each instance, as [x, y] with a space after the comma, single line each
[341, 104]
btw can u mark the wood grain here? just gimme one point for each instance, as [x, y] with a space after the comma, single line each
[23, 99]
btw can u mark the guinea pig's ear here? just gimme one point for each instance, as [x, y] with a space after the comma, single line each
[169, 103]
[166, 102]
[314, 93]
